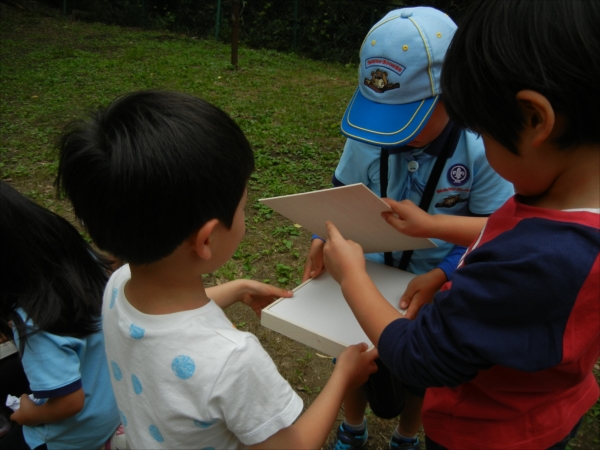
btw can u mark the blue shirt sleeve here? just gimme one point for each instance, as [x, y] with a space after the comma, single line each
[450, 262]
[52, 364]
[359, 164]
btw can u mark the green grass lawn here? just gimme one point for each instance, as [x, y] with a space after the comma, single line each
[53, 70]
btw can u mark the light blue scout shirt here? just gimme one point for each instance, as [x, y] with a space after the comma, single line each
[467, 186]
[59, 365]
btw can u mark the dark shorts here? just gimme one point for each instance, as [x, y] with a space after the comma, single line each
[386, 393]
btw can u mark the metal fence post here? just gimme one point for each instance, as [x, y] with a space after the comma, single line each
[144, 14]
[295, 43]
[218, 20]
[235, 32]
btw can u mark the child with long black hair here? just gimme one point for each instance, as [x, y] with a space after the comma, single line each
[50, 304]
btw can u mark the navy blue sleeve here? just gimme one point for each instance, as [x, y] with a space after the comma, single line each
[508, 305]
[60, 392]
[450, 262]
[336, 182]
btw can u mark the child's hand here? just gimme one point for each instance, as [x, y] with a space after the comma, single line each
[357, 364]
[51, 411]
[409, 219]
[421, 290]
[24, 415]
[257, 295]
[342, 257]
[314, 265]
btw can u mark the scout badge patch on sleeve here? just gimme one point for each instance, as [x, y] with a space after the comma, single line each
[458, 174]
[450, 201]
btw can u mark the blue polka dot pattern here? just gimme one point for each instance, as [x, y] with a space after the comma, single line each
[116, 371]
[113, 298]
[156, 433]
[123, 418]
[183, 366]
[202, 424]
[136, 332]
[137, 385]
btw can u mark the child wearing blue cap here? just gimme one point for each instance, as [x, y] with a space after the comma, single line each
[507, 347]
[402, 145]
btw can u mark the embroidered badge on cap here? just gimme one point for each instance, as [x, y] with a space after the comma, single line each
[458, 174]
[379, 81]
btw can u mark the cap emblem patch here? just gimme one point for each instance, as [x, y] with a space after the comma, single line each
[379, 82]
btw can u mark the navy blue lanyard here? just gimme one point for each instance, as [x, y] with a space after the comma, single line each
[447, 150]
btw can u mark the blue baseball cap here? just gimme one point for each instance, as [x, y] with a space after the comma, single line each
[398, 77]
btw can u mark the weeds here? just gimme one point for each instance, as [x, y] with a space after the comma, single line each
[53, 71]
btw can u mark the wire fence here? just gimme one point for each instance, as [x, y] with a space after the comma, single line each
[320, 29]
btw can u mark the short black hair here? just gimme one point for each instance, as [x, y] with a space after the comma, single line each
[150, 169]
[503, 47]
[48, 270]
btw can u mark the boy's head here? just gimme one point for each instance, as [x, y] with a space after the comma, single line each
[399, 79]
[152, 168]
[505, 47]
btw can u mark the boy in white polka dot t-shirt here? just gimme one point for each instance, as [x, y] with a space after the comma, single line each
[159, 179]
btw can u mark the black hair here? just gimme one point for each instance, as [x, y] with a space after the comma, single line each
[502, 47]
[48, 270]
[150, 169]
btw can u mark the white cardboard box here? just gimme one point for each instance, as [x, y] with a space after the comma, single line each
[318, 315]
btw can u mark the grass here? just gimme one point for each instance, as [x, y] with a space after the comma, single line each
[53, 70]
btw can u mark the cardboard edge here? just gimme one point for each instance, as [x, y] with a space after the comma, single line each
[265, 201]
[300, 334]
[313, 339]
[266, 308]
[322, 190]
[7, 348]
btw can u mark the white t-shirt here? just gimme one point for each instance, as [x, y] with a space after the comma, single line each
[191, 379]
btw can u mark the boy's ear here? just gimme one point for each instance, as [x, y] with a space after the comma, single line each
[201, 240]
[539, 116]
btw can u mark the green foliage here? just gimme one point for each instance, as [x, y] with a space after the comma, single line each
[331, 30]
[286, 230]
[592, 419]
[284, 273]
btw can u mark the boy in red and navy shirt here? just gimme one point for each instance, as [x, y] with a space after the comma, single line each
[507, 347]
